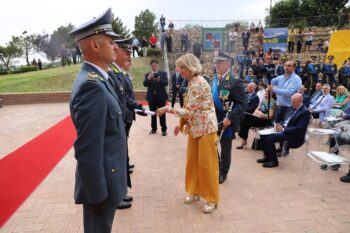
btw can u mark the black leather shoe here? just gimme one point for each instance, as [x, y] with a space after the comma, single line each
[164, 133]
[128, 198]
[153, 131]
[131, 166]
[222, 178]
[124, 205]
[262, 160]
[131, 171]
[334, 167]
[270, 164]
[345, 178]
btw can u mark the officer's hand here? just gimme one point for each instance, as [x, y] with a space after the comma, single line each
[161, 111]
[99, 208]
[226, 122]
[150, 76]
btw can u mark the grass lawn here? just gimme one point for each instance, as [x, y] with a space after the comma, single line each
[61, 79]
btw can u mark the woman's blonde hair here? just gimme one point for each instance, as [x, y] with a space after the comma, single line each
[342, 87]
[190, 62]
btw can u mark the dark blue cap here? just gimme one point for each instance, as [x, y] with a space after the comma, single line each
[99, 25]
[125, 43]
[223, 57]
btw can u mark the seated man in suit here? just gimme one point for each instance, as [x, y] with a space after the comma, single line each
[323, 103]
[292, 129]
[253, 99]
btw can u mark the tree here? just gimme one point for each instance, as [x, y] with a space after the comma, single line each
[8, 52]
[119, 28]
[305, 12]
[25, 43]
[145, 24]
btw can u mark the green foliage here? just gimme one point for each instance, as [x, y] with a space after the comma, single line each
[3, 72]
[8, 52]
[305, 13]
[145, 24]
[25, 43]
[155, 52]
[28, 68]
[119, 28]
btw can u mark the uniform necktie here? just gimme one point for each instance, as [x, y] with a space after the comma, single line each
[111, 82]
[319, 102]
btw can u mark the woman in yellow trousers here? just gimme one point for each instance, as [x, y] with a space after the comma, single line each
[198, 120]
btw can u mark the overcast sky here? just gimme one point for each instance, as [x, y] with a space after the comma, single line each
[44, 15]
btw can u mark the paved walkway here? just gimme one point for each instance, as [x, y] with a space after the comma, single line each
[253, 199]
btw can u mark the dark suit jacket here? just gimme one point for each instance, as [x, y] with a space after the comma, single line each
[297, 126]
[173, 81]
[253, 102]
[238, 96]
[100, 147]
[156, 89]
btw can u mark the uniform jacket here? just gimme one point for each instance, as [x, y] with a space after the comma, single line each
[100, 147]
[156, 89]
[237, 95]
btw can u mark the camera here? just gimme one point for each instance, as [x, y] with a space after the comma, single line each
[156, 75]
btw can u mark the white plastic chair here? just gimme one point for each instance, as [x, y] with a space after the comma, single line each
[329, 159]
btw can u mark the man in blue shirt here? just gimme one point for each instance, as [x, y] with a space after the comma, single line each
[284, 86]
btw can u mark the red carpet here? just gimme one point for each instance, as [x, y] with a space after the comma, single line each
[25, 168]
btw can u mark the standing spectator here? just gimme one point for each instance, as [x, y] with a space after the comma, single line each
[330, 70]
[284, 86]
[184, 39]
[34, 63]
[232, 38]
[169, 42]
[176, 83]
[291, 37]
[156, 81]
[268, 55]
[162, 23]
[40, 65]
[144, 46]
[261, 52]
[260, 26]
[77, 53]
[299, 39]
[252, 27]
[326, 46]
[308, 40]
[197, 49]
[135, 46]
[320, 45]
[153, 40]
[245, 39]
[171, 27]
[163, 41]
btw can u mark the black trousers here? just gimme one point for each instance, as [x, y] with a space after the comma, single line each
[98, 223]
[127, 130]
[173, 100]
[250, 121]
[226, 148]
[153, 106]
[290, 46]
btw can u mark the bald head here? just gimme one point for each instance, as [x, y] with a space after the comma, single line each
[251, 87]
[297, 100]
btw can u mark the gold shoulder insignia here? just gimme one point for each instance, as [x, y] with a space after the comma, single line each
[92, 76]
[227, 77]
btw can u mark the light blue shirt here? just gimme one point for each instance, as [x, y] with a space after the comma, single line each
[284, 88]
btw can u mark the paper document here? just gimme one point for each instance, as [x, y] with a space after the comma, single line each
[147, 112]
[321, 131]
[267, 131]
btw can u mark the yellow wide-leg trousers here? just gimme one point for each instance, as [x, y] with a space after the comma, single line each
[202, 167]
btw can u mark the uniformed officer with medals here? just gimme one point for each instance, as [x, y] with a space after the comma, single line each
[96, 111]
[230, 103]
[123, 86]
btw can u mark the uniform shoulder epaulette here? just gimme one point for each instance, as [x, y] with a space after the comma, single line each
[92, 76]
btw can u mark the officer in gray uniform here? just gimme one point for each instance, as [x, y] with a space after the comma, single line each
[100, 147]
[123, 87]
[230, 104]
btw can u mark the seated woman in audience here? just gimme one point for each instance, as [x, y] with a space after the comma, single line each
[262, 117]
[341, 97]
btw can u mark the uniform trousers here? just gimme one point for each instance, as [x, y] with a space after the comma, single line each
[98, 223]
[202, 167]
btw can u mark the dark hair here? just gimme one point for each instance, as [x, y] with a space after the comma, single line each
[153, 61]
